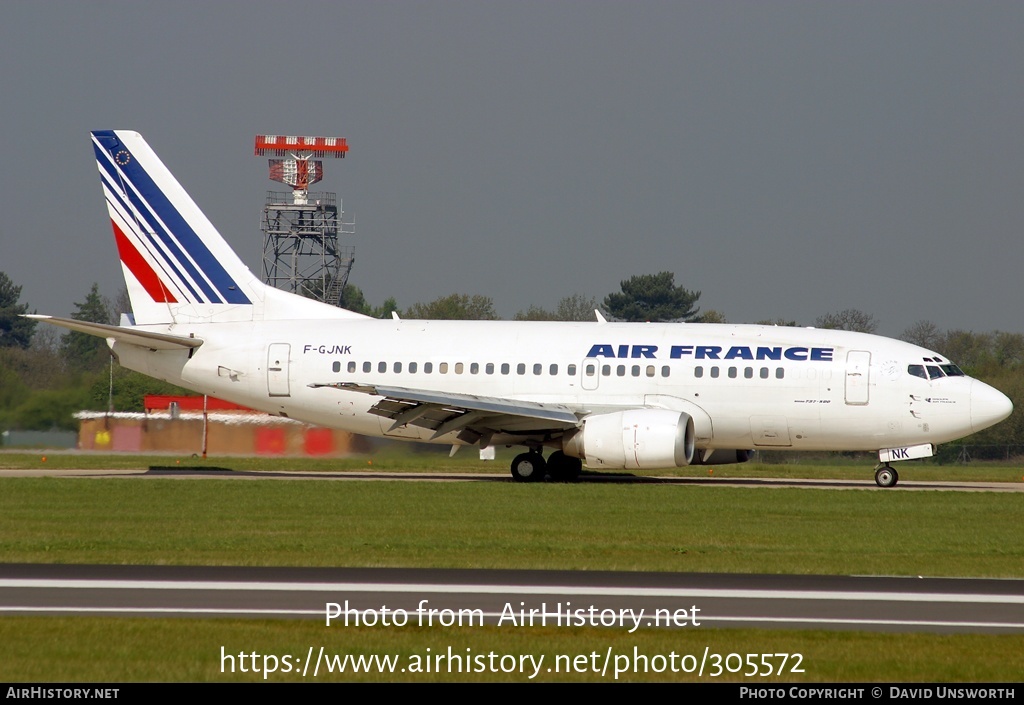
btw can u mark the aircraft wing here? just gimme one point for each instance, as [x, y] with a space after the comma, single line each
[144, 339]
[445, 412]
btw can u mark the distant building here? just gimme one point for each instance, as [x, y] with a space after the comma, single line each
[175, 424]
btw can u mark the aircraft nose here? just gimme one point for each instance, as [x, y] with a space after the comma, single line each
[988, 405]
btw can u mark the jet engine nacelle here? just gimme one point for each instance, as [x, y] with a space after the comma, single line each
[721, 456]
[634, 439]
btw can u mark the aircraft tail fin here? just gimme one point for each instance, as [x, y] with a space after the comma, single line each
[177, 266]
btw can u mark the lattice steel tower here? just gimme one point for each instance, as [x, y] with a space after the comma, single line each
[301, 252]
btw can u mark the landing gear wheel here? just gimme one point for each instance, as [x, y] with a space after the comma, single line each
[528, 467]
[886, 476]
[564, 468]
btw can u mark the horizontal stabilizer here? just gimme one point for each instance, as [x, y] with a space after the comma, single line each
[132, 336]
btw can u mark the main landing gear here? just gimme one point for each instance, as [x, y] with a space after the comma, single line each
[886, 475]
[531, 467]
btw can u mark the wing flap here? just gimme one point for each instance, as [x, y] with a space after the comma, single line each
[444, 412]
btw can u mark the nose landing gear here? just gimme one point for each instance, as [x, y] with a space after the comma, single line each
[886, 475]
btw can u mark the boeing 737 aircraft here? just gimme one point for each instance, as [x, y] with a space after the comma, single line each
[612, 395]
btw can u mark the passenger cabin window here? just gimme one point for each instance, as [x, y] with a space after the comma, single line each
[398, 367]
[591, 370]
[538, 368]
[489, 369]
[412, 368]
[571, 371]
[459, 367]
[336, 366]
[351, 365]
[428, 367]
[698, 371]
[553, 370]
[442, 368]
[474, 368]
[382, 367]
[505, 368]
[367, 366]
[521, 368]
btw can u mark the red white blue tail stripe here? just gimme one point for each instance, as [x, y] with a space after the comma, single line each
[163, 239]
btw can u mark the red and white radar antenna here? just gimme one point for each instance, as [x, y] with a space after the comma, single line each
[303, 166]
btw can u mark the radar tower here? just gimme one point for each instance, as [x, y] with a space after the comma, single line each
[301, 252]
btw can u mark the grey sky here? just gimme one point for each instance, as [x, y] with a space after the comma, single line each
[785, 158]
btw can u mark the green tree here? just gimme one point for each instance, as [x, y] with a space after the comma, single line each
[971, 351]
[352, 299]
[15, 331]
[13, 391]
[777, 322]
[84, 352]
[385, 310]
[455, 307]
[571, 308]
[130, 389]
[848, 319]
[1008, 349]
[45, 409]
[711, 316]
[652, 297]
[923, 333]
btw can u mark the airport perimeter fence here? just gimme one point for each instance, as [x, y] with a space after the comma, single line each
[964, 454]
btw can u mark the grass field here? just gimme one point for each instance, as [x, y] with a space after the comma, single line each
[506, 525]
[183, 650]
[404, 459]
[586, 526]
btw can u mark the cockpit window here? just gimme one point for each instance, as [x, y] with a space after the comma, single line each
[916, 371]
[934, 371]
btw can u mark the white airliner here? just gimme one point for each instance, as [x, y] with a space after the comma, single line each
[612, 395]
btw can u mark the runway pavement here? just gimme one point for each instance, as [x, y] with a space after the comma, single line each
[562, 598]
[863, 481]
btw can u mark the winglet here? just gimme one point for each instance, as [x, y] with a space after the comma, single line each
[600, 318]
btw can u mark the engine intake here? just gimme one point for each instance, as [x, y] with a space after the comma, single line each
[634, 439]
